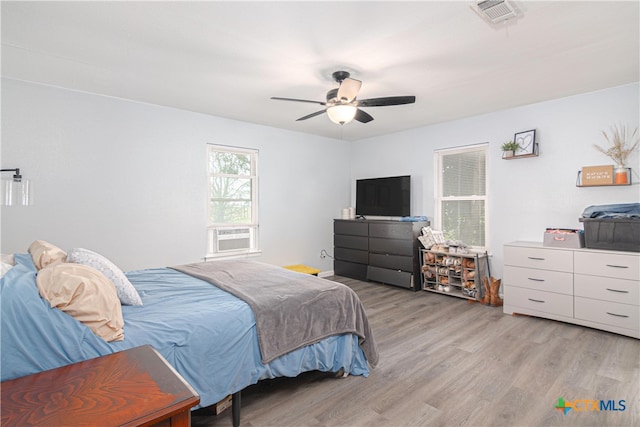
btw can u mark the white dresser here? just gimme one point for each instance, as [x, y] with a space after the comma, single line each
[589, 287]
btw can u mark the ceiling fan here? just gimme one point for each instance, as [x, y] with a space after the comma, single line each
[342, 105]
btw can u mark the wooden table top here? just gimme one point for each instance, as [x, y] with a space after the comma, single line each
[131, 387]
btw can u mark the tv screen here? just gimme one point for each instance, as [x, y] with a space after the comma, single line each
[389, 196]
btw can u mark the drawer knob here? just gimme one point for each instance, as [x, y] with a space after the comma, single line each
[617, 315]
[536, 258]
[618, 290]
[617, 266]
[535, 280]
[535, 300]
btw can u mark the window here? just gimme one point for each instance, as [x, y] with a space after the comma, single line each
[461, 194]
[232, 200]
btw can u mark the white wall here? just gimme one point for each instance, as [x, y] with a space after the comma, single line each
[128, 179]
[526, 195]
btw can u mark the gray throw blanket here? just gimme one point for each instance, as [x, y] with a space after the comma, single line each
[291, 309]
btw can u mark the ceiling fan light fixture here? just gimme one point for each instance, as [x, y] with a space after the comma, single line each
[341, 114]
[341, 105]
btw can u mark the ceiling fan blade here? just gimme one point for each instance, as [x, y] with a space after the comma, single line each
[362, 117]
[298, 100]
[308, 116]
[349, 89]
[383, 102]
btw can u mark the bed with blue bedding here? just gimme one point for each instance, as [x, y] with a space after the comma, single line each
[208, 335]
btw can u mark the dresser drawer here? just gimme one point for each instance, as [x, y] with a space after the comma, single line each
[390, 277]
[350, 269]
[544, 302]
[391, 246]
[352, 228]
[608, 313]
[393, 230]
[545, 259]
[351, 242]
[608, 289]
[542, 280]
[394, 262]
[606, 264]
[351, 255]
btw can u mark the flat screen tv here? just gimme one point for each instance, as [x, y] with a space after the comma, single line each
[390, 196]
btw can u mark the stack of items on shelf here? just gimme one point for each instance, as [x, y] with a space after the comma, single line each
[451, 267]
[469, 277]
[432, 239]
[429, 269]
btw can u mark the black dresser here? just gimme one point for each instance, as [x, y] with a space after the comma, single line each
[378, 250]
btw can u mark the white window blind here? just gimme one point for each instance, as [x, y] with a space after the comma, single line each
[232, 200]
[461, 194]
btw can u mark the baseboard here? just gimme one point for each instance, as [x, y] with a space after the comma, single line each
[325, 273]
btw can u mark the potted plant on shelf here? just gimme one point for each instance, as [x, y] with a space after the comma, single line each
[509, 148]
[621, 145]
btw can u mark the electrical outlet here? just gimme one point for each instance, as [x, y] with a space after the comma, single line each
[324, 254]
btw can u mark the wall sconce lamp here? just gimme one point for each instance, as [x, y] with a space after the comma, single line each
[16, 191]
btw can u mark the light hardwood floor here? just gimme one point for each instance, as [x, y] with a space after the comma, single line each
[447, 362]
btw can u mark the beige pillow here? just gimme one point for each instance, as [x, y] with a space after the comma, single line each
[84, 293]
[44, 253]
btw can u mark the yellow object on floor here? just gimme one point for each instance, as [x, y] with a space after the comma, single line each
[303, 269]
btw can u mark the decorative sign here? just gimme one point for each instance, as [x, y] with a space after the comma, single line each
[597, 175]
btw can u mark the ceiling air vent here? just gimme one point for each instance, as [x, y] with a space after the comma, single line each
[495, 10]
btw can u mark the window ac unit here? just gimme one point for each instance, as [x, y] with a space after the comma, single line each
[233, 239]
[495, 10]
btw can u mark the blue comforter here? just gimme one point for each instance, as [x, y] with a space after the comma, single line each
[206, 334]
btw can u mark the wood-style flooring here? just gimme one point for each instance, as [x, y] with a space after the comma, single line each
[447, 362]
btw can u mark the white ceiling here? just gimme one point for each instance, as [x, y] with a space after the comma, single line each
[227, 58]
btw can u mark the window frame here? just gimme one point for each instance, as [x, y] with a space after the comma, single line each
[253, 224]
[438, 187]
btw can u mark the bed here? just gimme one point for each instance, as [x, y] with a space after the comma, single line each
[208, 335]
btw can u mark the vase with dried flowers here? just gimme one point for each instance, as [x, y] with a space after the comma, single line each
[621, 145]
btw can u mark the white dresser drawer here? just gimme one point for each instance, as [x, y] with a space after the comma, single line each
[543, 280]
[608, 313]
[608, 289]
[544, 302]
[540, 258]
[606, 264]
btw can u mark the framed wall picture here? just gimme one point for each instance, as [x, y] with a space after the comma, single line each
[527, 142]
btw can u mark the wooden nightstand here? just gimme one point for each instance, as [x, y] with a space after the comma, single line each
[135, 387]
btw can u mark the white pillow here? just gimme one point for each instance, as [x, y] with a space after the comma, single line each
[127, 293]
[4, 267]
[8, 259]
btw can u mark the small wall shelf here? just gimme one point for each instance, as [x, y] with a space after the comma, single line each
[579, 181]
[522, 156]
